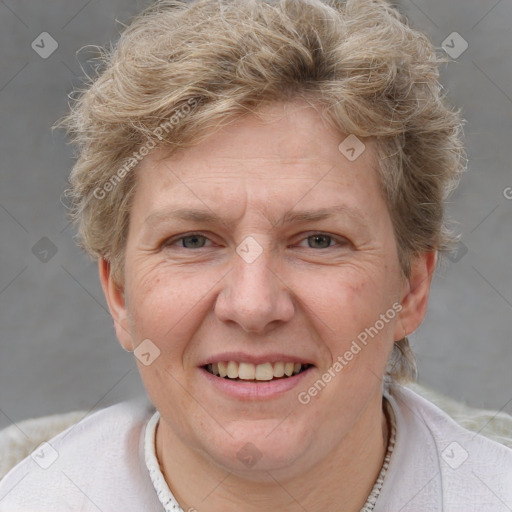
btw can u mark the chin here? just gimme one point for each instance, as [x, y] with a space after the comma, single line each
[254, 450]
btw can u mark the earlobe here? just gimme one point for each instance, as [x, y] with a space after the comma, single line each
[114, 294]
[416, 293]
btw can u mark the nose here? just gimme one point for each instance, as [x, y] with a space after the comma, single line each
[254, 295]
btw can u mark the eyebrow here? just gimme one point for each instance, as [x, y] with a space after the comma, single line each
[290, 217]
[322, 214]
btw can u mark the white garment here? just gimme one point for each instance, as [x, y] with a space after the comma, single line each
[437, 466]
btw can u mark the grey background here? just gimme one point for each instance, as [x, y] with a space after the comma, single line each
[58, 350]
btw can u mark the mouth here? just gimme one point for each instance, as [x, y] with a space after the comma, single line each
[248, 372]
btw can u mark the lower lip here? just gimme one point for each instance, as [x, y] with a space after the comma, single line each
[255, 390]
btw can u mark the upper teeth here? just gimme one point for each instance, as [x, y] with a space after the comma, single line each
[248, 371]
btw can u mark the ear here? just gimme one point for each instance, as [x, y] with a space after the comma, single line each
[415, 294]
[116, 304]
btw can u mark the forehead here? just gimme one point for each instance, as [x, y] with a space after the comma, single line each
[284, 156]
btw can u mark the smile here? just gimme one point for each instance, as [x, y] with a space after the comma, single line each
[234, 370]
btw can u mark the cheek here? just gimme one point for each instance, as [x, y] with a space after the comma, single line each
[160, 302]
[349, 298]
[348, 309]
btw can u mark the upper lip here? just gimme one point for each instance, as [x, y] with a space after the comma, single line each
[243, 357]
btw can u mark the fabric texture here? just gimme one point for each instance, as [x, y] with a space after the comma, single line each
[21, 439]
[101, 463]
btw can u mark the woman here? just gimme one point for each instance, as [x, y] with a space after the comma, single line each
[262, 184]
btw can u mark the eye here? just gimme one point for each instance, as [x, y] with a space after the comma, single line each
[323, 241]
[192, 241]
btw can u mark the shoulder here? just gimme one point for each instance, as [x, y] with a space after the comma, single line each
[445, 431]
[440, 463]
[96, 463]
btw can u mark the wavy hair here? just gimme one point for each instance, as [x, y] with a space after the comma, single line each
[184, 68]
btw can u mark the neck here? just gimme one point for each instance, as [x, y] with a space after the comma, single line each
[345, 477]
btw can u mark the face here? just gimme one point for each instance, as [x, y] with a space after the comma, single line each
[263, 250]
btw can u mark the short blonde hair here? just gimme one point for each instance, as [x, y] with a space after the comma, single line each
[182, 69]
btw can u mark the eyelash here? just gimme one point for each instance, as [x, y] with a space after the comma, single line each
[170, 242]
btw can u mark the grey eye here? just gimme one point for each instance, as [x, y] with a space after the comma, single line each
[323, 240]
[196, 241]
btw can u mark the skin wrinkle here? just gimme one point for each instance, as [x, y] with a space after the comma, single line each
[195, 303]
